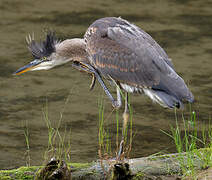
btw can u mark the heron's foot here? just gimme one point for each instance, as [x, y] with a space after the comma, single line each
[86, 68]
[93, 82]
[116, 104]
[91, 70]
[82, 67]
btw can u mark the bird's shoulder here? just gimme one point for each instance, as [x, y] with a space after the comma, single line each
[118, 34]
[125, 52]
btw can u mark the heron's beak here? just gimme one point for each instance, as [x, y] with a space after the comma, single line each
[28, 67]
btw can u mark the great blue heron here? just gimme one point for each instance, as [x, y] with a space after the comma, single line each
[120, 52]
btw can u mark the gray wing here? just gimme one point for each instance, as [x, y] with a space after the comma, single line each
[128, 54]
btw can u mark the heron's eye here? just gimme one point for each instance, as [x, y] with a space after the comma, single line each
[44, 58]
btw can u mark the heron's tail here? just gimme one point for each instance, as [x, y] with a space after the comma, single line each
[165, 99]
[169, 101]
[172, 91]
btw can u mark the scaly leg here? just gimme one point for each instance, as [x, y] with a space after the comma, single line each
[118, 99]
[116, 103]
[90, 69]
[125, 115]
[124, 126]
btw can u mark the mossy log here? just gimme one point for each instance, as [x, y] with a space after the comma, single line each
[112, 169]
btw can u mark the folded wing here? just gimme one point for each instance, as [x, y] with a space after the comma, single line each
[129, 55]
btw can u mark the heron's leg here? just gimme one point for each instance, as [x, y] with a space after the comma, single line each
[115, 104]
[124, 126]
[118, 97]
[90, 69]
[125, 115]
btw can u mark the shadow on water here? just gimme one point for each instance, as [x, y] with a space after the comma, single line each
[182, 28]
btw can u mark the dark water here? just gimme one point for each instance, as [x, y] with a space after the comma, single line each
[182, 28]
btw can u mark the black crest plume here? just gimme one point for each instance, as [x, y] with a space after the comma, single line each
[42, 48]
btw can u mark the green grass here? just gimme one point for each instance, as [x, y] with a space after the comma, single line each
[23, 173]
[58, 144]
[189, 138]
[105, 135]
[59, 141]
[26, 135]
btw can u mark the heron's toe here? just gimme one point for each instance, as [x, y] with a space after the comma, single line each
[116, 104]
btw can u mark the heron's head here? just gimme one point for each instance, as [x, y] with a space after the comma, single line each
[52, 52]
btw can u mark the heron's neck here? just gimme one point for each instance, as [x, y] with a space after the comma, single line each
[72, 50]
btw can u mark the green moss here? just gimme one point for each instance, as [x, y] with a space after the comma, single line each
[22, 173]
[27, 173]
[138, 176]
[79, 165]
[161, 157]
[5, 177]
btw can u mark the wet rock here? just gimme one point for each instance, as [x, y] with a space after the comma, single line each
[121, 171]
[54, 170]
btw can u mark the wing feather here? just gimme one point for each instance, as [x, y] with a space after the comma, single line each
[128, 54]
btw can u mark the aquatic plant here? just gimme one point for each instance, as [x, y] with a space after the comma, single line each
[189, 139]
[59, 143]
[105, 134]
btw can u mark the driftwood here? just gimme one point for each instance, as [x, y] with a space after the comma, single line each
[138, 168]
